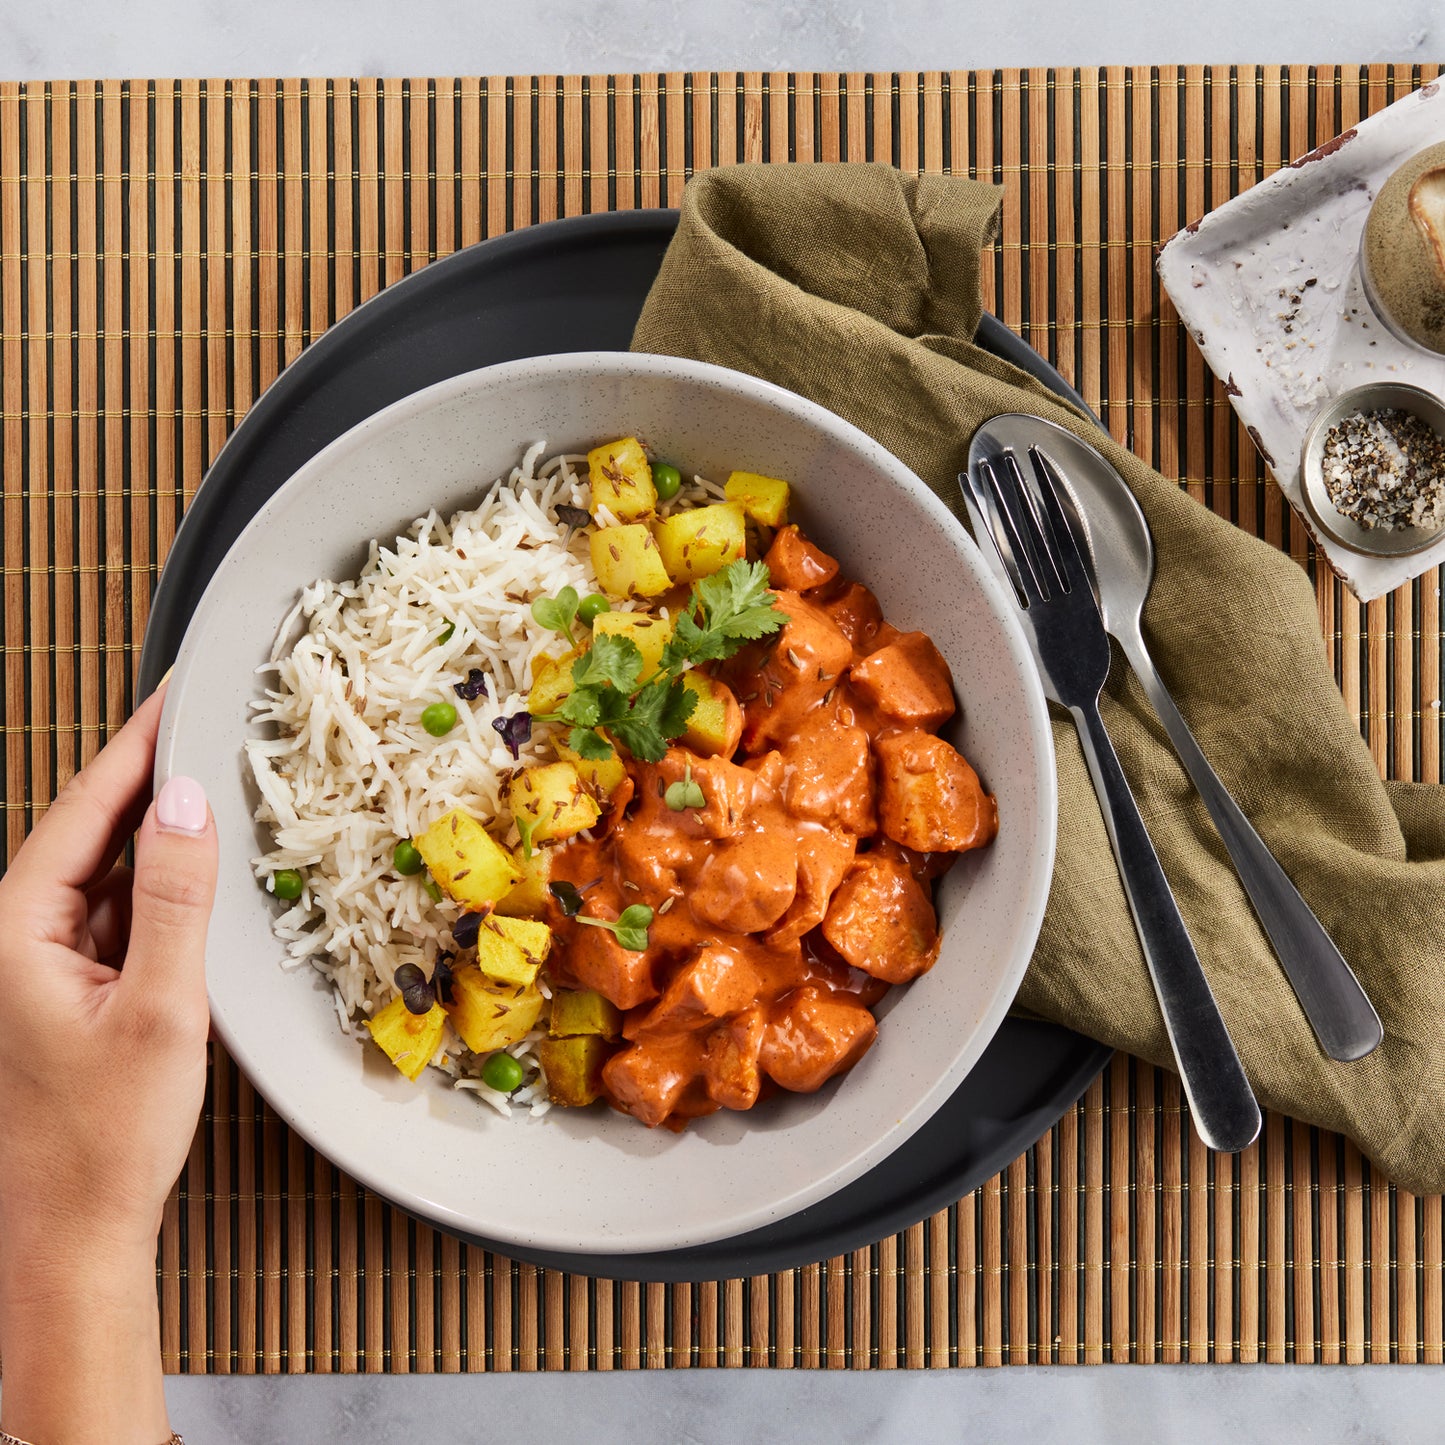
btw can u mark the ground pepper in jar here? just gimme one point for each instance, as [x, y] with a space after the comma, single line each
[1386, 469]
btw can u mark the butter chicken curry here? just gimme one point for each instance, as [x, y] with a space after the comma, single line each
[787, 858]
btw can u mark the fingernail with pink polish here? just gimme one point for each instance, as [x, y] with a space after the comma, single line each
[181, 807]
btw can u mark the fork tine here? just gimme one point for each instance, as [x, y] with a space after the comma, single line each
[1004, 509]
[1066, 545]
[1036, 532]
[984, 516]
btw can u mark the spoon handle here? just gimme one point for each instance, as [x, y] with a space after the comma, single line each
[1341, 1015]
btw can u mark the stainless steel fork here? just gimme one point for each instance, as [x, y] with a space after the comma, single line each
[1041, 557]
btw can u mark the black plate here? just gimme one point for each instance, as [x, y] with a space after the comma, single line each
[578, 285]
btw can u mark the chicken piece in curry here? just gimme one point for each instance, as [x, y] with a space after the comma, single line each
[795, 888]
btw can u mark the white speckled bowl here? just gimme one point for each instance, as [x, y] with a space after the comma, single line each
[592, 1180]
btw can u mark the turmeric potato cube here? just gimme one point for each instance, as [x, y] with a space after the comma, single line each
[627, 562]
[583, 1011]
[764, 499]
[622, 479]
[881, 920]
[929, 798]
[573, 1067]
[702, 541]
[650, 634]
[491, 1015]
[600, 776]
[716, 724]
[407, 1039]
[551, 681]
[511, 950]
[467, 863]
[528, 897]
[908, 681]
[552, 799]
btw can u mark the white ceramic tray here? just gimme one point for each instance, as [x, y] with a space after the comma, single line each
[1269, 286]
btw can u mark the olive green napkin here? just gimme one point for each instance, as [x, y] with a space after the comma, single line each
[858, 286]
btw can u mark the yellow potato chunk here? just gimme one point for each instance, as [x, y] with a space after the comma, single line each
[583, 1011]
[574, 1068]
[764, 499]
[467, 863]
[716, 725]
[407, 1039]
[650, 634]
[600, 776]
[491, 1015]
[511, 950]
[528, 898]
[703, 541]
[627, 562]
[551, 681]
[622, 479]
[553, 800]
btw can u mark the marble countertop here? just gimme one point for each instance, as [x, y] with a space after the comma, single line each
[103, 38]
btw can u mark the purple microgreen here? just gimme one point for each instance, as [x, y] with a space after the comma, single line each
[572, 516]
[464, 930]
[474, 687]
[515, 731]
[415, 988]
[441, 978]
[569, 900]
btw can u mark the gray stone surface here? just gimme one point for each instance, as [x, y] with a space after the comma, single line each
[64, 38]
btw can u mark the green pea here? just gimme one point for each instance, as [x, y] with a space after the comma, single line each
[406, 859]
[287, 884]
[591, 608]
[502, 1072]
[667, 479]
[433, 889]
[439, 719]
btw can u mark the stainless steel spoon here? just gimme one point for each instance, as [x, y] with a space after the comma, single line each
[1122, 548]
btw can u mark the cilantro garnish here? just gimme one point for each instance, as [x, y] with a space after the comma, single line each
[736, 607]
[608, 698]
[629, 929]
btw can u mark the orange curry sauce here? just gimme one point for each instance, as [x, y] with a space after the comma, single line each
[787, 905]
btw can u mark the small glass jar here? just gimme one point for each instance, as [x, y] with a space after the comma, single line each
[1402, 252]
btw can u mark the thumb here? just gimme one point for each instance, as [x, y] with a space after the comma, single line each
[175, 884]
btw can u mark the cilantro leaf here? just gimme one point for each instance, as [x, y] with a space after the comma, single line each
[610, 661]
[659, 711]
[589, 743]
[736, 607]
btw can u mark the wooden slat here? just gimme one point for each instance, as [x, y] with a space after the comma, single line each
[166, 248]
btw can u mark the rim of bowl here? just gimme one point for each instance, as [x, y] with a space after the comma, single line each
[1373, 396]
[1033, 899]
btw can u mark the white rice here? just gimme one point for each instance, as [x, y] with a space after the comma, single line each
[344, 768]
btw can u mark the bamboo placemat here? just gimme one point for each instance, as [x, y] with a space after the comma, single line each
[166, 248]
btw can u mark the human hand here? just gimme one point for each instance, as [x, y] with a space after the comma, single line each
[103, 1024]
